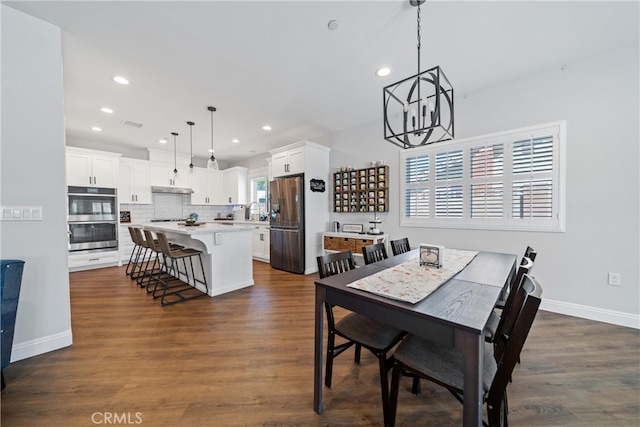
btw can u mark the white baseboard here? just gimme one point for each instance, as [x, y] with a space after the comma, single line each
[592, 313]
[41, 345]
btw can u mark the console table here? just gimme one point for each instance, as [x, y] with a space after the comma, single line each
[354, 242]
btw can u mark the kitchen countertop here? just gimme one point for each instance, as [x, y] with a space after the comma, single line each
[242, 222]
[206, 228]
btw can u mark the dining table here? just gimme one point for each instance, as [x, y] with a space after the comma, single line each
[453, 315]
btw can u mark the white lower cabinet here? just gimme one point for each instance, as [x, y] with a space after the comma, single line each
[88, 261]
[261, 243]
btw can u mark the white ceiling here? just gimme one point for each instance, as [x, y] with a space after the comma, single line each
[276, 62]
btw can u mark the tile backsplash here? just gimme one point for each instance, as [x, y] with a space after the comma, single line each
[173, 206]
[169, 206]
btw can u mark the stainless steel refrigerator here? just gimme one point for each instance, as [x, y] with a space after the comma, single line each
[286, 209]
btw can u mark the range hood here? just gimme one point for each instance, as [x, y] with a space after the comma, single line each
[173, 190]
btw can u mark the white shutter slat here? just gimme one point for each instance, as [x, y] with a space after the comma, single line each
[417, 203]
[417, 169]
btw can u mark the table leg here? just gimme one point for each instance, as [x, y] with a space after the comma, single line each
[471, 346]
[317, 359]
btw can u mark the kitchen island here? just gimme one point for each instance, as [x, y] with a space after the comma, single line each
[226, 252]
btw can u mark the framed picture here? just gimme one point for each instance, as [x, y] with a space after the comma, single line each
[352, 228]
[125, 217]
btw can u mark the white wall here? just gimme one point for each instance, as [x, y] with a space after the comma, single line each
[599, 99]
[33, 174]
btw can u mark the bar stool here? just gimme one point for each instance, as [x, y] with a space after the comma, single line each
[135, 252]
[142, 256]
[153, 274]
[171, 282]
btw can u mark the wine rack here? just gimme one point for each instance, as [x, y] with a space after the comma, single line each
[361, 190]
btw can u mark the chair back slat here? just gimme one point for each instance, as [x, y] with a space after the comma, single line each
[400, 246]
[335, 263]
[374, 253]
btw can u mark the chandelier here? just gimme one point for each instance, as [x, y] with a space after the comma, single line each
[418, 110]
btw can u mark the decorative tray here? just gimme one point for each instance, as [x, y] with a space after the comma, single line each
[195, 224]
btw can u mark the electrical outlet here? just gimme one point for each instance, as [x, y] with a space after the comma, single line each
[614, 279]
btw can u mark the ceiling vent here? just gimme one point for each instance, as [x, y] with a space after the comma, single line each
[134, 124]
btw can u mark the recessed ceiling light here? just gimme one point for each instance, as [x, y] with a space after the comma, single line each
[383, 71]
[235, 140]
[121, 80]
[266, 127]
[333, 25]
[106, 110]
[162, 140]
[96, 129]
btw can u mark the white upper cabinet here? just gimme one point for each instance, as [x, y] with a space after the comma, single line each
[163, 176]
[234, 186]
[90, 168]
[287, 162]
[135, 182]
[207, 187]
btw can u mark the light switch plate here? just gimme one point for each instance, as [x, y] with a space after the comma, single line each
[21, 213]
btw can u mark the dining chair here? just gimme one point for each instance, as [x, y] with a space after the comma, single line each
[400, 246]
[378, 338]
[374, 253]
[495, 323]
[529, 253]
[444, 366]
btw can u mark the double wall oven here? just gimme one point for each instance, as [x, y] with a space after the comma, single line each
[92, 218]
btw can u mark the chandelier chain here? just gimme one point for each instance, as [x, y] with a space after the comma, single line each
[419, 28]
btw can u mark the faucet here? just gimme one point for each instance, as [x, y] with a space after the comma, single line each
[251, 207]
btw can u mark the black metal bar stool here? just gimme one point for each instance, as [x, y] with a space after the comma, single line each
[154, 272]
[175, 284]
[143, 255]
[135, 252]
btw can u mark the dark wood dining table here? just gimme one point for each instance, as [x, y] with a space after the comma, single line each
[453, 315]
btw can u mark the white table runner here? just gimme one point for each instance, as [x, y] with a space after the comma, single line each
[412, 282]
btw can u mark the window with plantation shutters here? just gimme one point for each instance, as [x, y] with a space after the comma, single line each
[532, 195]
[486, 186]
[416, 194]
[511, 180]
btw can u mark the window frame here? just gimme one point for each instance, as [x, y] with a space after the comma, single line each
[556, 223]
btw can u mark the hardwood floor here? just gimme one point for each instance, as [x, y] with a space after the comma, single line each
[246, 359]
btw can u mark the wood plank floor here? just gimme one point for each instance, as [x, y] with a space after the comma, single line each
[246, 359]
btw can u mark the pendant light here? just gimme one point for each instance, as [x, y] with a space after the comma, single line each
[427, 97]
[212, 163]
[175, 164]
[191, 145]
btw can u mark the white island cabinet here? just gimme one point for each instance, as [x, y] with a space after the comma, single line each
[226, 252]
